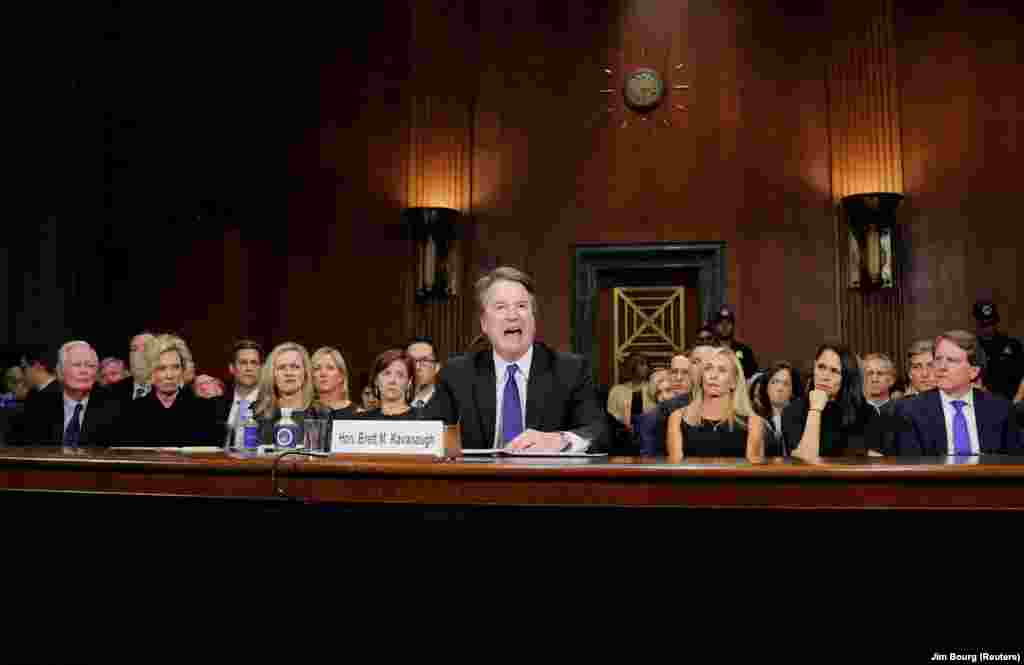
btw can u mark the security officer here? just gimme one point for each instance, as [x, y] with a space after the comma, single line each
[724, 321]
[1005, 354]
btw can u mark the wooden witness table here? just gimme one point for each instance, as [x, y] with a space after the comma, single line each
[985, 483]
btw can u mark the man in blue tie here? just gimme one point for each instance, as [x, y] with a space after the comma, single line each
[79, 415]
[519, 394]
[956, 419]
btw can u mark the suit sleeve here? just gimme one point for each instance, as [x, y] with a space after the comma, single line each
[907, 440]
[587, 419]
[1013, 443]
[794, 417]
[443, 405]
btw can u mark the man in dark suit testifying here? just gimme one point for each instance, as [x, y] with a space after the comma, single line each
[519, 394]
[955, 418]
[81, 414]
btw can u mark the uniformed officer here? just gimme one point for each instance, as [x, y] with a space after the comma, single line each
[1005, 354]
[724, 321]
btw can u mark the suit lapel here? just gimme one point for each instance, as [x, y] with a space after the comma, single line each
[57, 428]
[988, 441]
[484, 389]
[937, 438]
[539, 386]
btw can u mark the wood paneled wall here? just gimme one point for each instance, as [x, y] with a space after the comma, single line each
[443, 87]
[490, 107]
[866, 156]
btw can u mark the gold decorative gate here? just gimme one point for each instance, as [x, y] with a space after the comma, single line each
[648, 320]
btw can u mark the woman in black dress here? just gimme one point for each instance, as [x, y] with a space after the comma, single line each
[831, 420]
[719, 421]
[392, 385]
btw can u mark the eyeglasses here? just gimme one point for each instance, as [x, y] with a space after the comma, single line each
[425, 361]
[705, 338]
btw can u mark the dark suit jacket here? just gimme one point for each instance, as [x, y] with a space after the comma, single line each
[883, 429]
[124, 389]
[925, 434]
[660, 428]
[559, 397]
[43, 420]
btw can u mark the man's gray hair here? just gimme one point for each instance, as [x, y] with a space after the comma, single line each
[63, 352]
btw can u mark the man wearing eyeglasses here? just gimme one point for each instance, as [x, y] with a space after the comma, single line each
[957, 419]
[78, 415]
[421, 350]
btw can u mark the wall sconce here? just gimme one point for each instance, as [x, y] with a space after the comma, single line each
[438, 257]
[872, 221]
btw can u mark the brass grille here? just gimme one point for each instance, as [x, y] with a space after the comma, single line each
[649, 320]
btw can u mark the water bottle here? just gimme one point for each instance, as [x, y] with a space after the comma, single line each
[287, 433]
[238, 436]
[250, 430]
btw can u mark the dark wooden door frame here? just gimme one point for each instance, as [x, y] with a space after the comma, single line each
[594, 266]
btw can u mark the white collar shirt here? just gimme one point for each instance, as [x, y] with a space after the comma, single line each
[69, 410]
[948, 413]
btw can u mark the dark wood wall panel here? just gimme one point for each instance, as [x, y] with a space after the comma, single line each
[866, 150]
[962, 112]
[312, 147]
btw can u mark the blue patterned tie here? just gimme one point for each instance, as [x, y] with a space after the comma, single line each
[71, 434]
[511, 408]
[961, 439]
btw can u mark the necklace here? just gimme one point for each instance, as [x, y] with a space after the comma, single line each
[713, 423]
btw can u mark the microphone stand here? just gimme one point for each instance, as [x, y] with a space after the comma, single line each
[275, 490]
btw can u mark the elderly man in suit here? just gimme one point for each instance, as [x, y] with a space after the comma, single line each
[520, 394]
[956, 419]
[80, 414]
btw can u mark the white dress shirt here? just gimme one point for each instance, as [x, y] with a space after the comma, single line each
[525, 363]
[877, 406]
[420, 400]
[949, 411]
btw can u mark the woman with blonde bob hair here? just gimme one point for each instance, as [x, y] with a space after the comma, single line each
[330, 381]
[719, 421]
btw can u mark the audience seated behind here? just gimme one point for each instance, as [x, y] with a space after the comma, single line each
[644, 428]
[136, 384]
[392, 376]
[685, 374]
[719, 421]
[831, 420]
[330, 383]
[771, 393]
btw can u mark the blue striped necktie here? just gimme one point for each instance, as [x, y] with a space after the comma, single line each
[511, 408]
[961, 439]
[74, 430]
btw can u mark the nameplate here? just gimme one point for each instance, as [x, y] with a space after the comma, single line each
[394, 437]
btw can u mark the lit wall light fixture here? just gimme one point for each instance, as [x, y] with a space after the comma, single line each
[872, 223]
[435, 235]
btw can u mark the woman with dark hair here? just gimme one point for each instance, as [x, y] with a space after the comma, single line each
[831, 420]
[391, 379]
[772, 393]
[630, 399]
